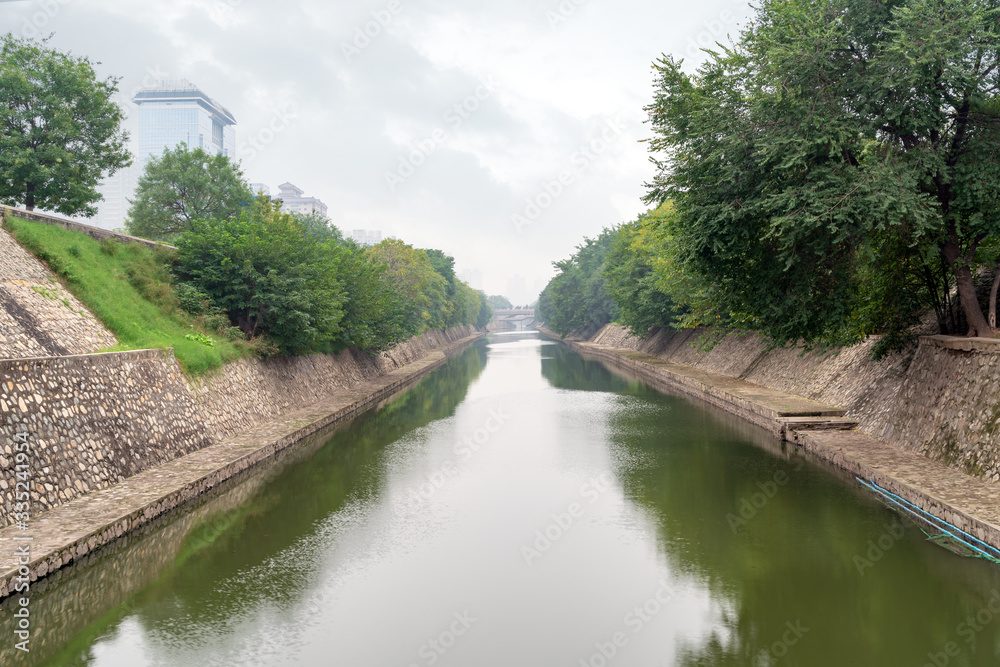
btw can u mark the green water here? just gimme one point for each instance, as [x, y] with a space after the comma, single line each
[525, 507]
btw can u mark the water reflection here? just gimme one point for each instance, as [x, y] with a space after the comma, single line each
[524, 506]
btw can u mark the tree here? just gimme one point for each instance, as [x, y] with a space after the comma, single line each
[576, 298]
[182, 186]
[632, 277]
[836, 171]
[60, 129]
[413, 276]
[500, 302]
[319, 226]
[268, 274]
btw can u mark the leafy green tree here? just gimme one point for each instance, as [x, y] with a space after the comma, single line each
[500, 302]
[485, 311]
[60, 129]
[413, 275]
[270, 276]
[319, 226]
[184, 185]
[576, 298]
[376, 315]
[631, 276]
[837, 143]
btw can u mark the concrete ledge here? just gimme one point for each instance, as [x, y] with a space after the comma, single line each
[71, 531]
[962, 343]
[98, 233]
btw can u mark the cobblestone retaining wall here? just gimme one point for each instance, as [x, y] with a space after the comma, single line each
[38, 317]
[249, 392]
[935, 398]
[91, 421]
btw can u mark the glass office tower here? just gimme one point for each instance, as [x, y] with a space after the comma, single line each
[175, 112]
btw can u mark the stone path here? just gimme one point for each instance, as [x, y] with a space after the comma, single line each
[949, 494]
[59, 536]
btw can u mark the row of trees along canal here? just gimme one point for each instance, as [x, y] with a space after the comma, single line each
[833, 174]
[285, 283]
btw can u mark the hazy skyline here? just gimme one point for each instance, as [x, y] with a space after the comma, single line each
[502, 134]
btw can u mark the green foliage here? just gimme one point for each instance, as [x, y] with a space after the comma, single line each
[319, 226]
[576, 298]
[499, 302]
[60, 129]
[270, 276]
[635, 276]
[184, 185]
[128, 290]
[485, 311]
[839, 154]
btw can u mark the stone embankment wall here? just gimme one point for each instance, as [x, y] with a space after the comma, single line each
[90, 421]
[249, 392]
[38, 317]
[939, 398]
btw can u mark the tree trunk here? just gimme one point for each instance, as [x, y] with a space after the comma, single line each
[978, 325]
[29, 199]
[993, 297]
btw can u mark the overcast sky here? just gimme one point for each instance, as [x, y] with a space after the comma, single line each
[447, 123]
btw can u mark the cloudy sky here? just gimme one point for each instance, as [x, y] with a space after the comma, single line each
[500, 132]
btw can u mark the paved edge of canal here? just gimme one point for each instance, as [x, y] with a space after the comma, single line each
[70, 531]
[968, 503]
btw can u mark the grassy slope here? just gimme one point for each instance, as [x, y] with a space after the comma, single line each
[126, 286]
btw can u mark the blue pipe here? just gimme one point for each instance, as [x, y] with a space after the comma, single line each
[902, 503]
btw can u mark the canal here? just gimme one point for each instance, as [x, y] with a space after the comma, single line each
[523, 506]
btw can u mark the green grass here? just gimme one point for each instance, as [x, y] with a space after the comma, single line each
[127, 286]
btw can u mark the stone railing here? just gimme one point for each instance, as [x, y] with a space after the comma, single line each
[96, 232]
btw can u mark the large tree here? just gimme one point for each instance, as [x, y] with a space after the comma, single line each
[60, 129]
[184, 185]
[838, 168]
[270, 276]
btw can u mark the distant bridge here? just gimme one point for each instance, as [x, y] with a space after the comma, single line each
[513, 319]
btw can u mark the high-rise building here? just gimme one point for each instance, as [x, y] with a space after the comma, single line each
[258, 188]
[170, 113]
[116, 190]
[178, 112]
[293, 201]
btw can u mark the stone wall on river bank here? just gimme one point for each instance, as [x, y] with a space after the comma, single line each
[939, 398]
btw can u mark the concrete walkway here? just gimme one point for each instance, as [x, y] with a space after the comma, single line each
[68, 532]
[949, 494]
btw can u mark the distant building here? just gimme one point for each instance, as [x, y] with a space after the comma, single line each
[170, 113]
[367, 237]
[176, 112]
[116, 190]
[293, 201]
[473, 277]
[257, 188]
